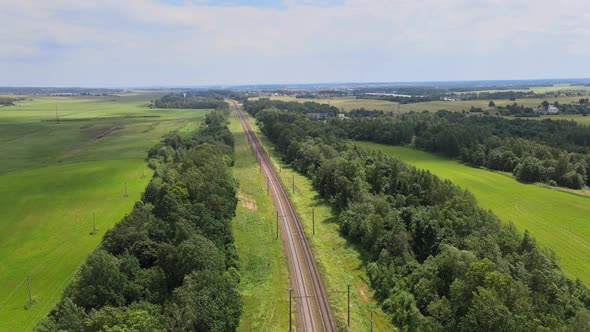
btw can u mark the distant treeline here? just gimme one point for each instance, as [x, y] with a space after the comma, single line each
[254, 106]
[582, 108]
[191, 99]
[7, 101]
[171, 263]
[436, 260]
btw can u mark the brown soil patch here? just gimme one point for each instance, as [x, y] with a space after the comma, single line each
[247, 201]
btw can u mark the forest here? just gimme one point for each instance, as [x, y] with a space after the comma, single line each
[549, 151]
[514, 109]
[554, 152]
[255, 106]
[171, 263]
[436, 261]
[191, 99]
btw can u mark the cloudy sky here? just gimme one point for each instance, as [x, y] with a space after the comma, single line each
[201, 42]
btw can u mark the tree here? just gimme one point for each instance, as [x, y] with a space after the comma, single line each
[207, 301]
[65, 316]
[491, 104]
[529, 170]
[99, 282]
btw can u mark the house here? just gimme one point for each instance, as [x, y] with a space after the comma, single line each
[552, 109]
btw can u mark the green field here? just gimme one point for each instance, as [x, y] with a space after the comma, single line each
[340, 263]
[558, 220]
[264, 275]
[585, 120]
[54, 175]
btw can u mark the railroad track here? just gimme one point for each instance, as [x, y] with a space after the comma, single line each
[313, 311]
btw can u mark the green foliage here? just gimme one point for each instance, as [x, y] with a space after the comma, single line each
[436, 260]
[193, 100]
[174, 248]
[207, 301]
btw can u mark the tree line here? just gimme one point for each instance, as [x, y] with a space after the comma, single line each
[436, 261]
[191, 99]
[549, 151]
[554, 152]
[7, 101]
[255, 106]
[171, 263]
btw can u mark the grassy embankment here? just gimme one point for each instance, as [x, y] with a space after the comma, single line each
[264, 273]
[54, 175]
[558, 220]
[340, 263]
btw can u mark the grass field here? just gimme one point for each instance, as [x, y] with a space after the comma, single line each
[349, 103]
[340, 263]
[54, 175]
[558, 220]
[264, 273]
[585, 120]
[545, 89]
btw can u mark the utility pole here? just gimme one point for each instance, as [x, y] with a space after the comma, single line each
[348, 307]
[293, 184]
[126, 190]
[56, 114]
[277, 225]
[312, 221]
[29, 287]
[290, 322]
[93, 223]
[267, 186]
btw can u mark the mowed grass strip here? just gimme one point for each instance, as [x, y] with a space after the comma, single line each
[264, 282]
[54, 175]
[558, 220]
[339, 262]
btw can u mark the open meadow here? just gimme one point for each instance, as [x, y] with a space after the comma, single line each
[63, 159]
[557, 220]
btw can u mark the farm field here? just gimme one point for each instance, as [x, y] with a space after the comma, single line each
[54, 175]
[585, 120]
[556, 219]
[545, 89]
[264, 276]
[350, 103]
[340, 263]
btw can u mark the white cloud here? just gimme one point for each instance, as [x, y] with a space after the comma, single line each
[146, 42]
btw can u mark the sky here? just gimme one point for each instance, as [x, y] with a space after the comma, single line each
[130, 43]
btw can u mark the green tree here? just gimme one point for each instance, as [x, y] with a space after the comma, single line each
[207, 301]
